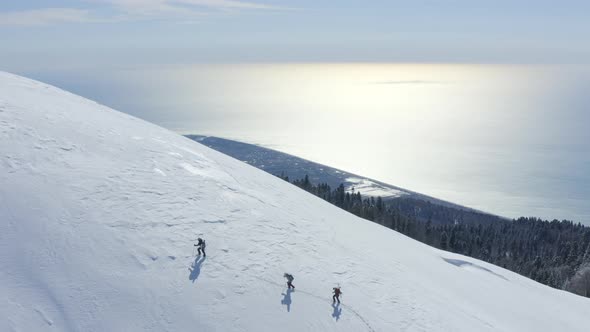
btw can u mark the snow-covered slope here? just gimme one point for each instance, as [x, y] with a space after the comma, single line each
[99, 212]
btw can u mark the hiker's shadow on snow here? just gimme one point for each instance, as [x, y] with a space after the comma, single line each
[195, 268]
[287, 299]
[337, 311]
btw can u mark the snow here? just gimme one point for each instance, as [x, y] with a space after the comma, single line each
[99, 212]
[370, 188]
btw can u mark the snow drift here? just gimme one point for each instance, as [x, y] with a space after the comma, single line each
[99, 212]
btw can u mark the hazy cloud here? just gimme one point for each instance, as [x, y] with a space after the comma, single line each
[164, 4]
[129, 10]
[45, 16]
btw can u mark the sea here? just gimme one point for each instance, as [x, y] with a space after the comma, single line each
[513, 140]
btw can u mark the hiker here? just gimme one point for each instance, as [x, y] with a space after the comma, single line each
[336, 296]
[201, 247]
[289, 280]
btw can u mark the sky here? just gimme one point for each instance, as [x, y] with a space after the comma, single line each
[69, 34]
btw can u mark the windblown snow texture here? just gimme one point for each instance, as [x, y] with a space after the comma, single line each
[99, 212]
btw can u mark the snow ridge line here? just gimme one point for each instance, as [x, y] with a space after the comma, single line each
[359, 316]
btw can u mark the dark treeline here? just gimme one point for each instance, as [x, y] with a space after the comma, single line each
[555, 253]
